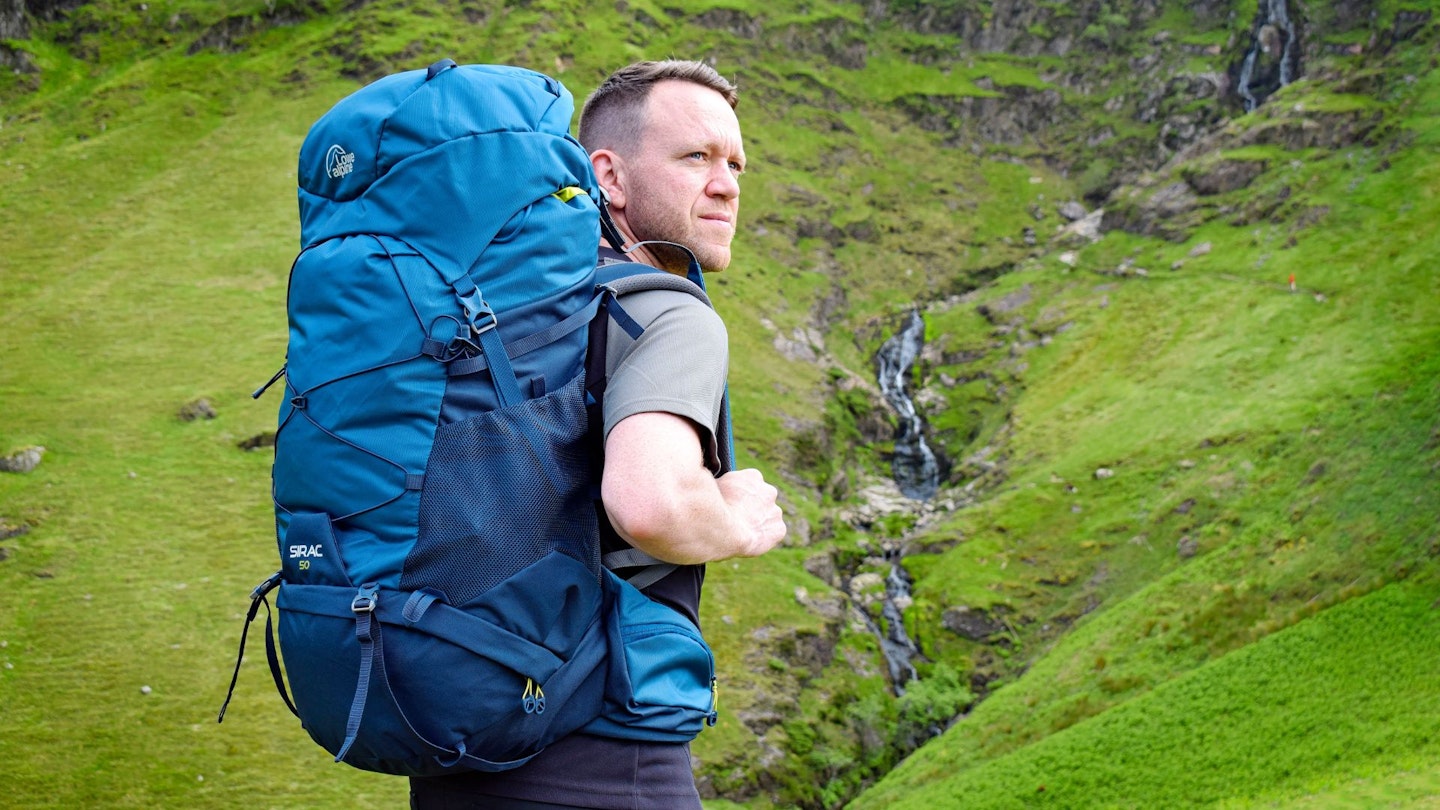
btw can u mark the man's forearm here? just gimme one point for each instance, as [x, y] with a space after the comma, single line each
[663, 501]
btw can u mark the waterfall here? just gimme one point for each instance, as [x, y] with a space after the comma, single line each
[914, 466]
[1272, 20]
[1243, 85]
[917, 472]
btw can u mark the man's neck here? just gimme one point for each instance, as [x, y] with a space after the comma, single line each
[609, 255]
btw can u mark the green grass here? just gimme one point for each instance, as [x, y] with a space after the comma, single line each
[1293, 713]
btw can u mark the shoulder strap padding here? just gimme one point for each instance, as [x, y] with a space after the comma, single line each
[641, 282]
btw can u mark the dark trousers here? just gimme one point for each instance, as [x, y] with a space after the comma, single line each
[423, 799]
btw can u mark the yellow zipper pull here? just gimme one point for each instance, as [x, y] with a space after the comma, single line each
[534, 697]
[714, 716]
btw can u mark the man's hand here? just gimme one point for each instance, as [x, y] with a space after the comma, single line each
[752, 502]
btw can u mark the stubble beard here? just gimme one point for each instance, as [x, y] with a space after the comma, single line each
[662, 224]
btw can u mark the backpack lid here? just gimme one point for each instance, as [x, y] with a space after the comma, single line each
[413, 149]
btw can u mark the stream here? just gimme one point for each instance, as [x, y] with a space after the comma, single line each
[917, 473]
[900, 651]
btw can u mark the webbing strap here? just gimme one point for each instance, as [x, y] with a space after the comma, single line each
[522, 347]
[272, 656]
[627, 558]
[367, 632]
[502, 374]
[436, 618]
[257, 598]
[481, 319]
[651, 575]
[622, 318]
[474, 634]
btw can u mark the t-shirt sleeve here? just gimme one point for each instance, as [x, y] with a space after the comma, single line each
[677, 365]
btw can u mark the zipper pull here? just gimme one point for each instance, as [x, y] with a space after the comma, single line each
[266, 387]
[534, 698]
[714, 716]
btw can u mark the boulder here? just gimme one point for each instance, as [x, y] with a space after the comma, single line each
[196, 409]
[22, 461]
[1083, 231]
[1222, 176]
[970, 623]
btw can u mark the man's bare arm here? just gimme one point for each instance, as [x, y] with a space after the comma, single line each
[662, 500]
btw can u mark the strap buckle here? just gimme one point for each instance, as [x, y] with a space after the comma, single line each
[366, 598]
[478, 314]
[270, 584]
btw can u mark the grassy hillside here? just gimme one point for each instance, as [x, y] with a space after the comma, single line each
[1337, 699]
[1238, 612]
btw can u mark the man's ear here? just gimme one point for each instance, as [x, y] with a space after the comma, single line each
[610, 174]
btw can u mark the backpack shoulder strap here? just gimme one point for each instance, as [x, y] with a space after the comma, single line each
[619, 279]
[657, 280]
[615, 280]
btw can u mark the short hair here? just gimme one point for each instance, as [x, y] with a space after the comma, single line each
[613, 116]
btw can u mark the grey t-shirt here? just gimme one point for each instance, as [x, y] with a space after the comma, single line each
[678, 365]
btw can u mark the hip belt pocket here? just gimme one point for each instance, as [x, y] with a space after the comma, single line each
[660, 677]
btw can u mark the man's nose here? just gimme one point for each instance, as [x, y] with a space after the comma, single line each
[723, 182]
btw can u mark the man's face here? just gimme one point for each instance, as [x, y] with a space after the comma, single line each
[683, 179]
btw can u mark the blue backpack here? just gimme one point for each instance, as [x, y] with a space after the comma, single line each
[442, 601]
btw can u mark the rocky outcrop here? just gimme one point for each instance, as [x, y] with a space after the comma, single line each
[1020, 27]
[259, 441]
[1011, 116]
[22, 461]
[970, 623]
[1172, 200]
[1186, 107]
[14, 24]
[1221, 175]
[229, 35]
[43, 10]
[1295, 128]
[733, 21]
[1167, 210]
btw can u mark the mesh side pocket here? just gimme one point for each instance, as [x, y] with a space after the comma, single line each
[502, 490]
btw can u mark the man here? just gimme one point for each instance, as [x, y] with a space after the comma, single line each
[666, 147]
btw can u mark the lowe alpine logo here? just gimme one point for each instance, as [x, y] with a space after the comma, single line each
[338, 162]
